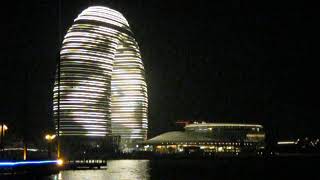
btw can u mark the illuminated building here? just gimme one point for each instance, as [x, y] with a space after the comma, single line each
[102, 85]
[209, 138]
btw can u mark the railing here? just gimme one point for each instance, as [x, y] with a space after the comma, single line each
[85, 163]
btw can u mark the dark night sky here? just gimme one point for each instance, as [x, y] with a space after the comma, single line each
[219, 62]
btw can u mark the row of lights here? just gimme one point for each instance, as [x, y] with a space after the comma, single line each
[207, 143]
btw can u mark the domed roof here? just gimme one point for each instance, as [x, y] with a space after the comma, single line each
[178, 136]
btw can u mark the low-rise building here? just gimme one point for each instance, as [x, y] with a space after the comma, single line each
[209, 138]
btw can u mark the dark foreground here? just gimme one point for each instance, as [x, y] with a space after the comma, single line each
[288, 168]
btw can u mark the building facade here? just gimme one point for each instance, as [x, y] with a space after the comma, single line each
[209, 138]
[101, 85]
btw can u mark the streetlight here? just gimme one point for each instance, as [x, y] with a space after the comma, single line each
[49, 138]
[3, 129]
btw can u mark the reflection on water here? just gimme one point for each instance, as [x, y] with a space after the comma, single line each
[204, 169]
[128, 169]
[116, 170]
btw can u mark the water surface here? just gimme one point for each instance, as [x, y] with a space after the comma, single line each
[203, 169]
[117, 170]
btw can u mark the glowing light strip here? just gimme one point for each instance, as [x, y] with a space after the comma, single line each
[15, 149]
[222, 124]
[19, 163]
[255, 135]
[287, 142]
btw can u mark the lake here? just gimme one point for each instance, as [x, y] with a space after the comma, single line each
[217, 169]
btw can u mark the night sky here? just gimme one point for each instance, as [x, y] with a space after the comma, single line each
[214, 62]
